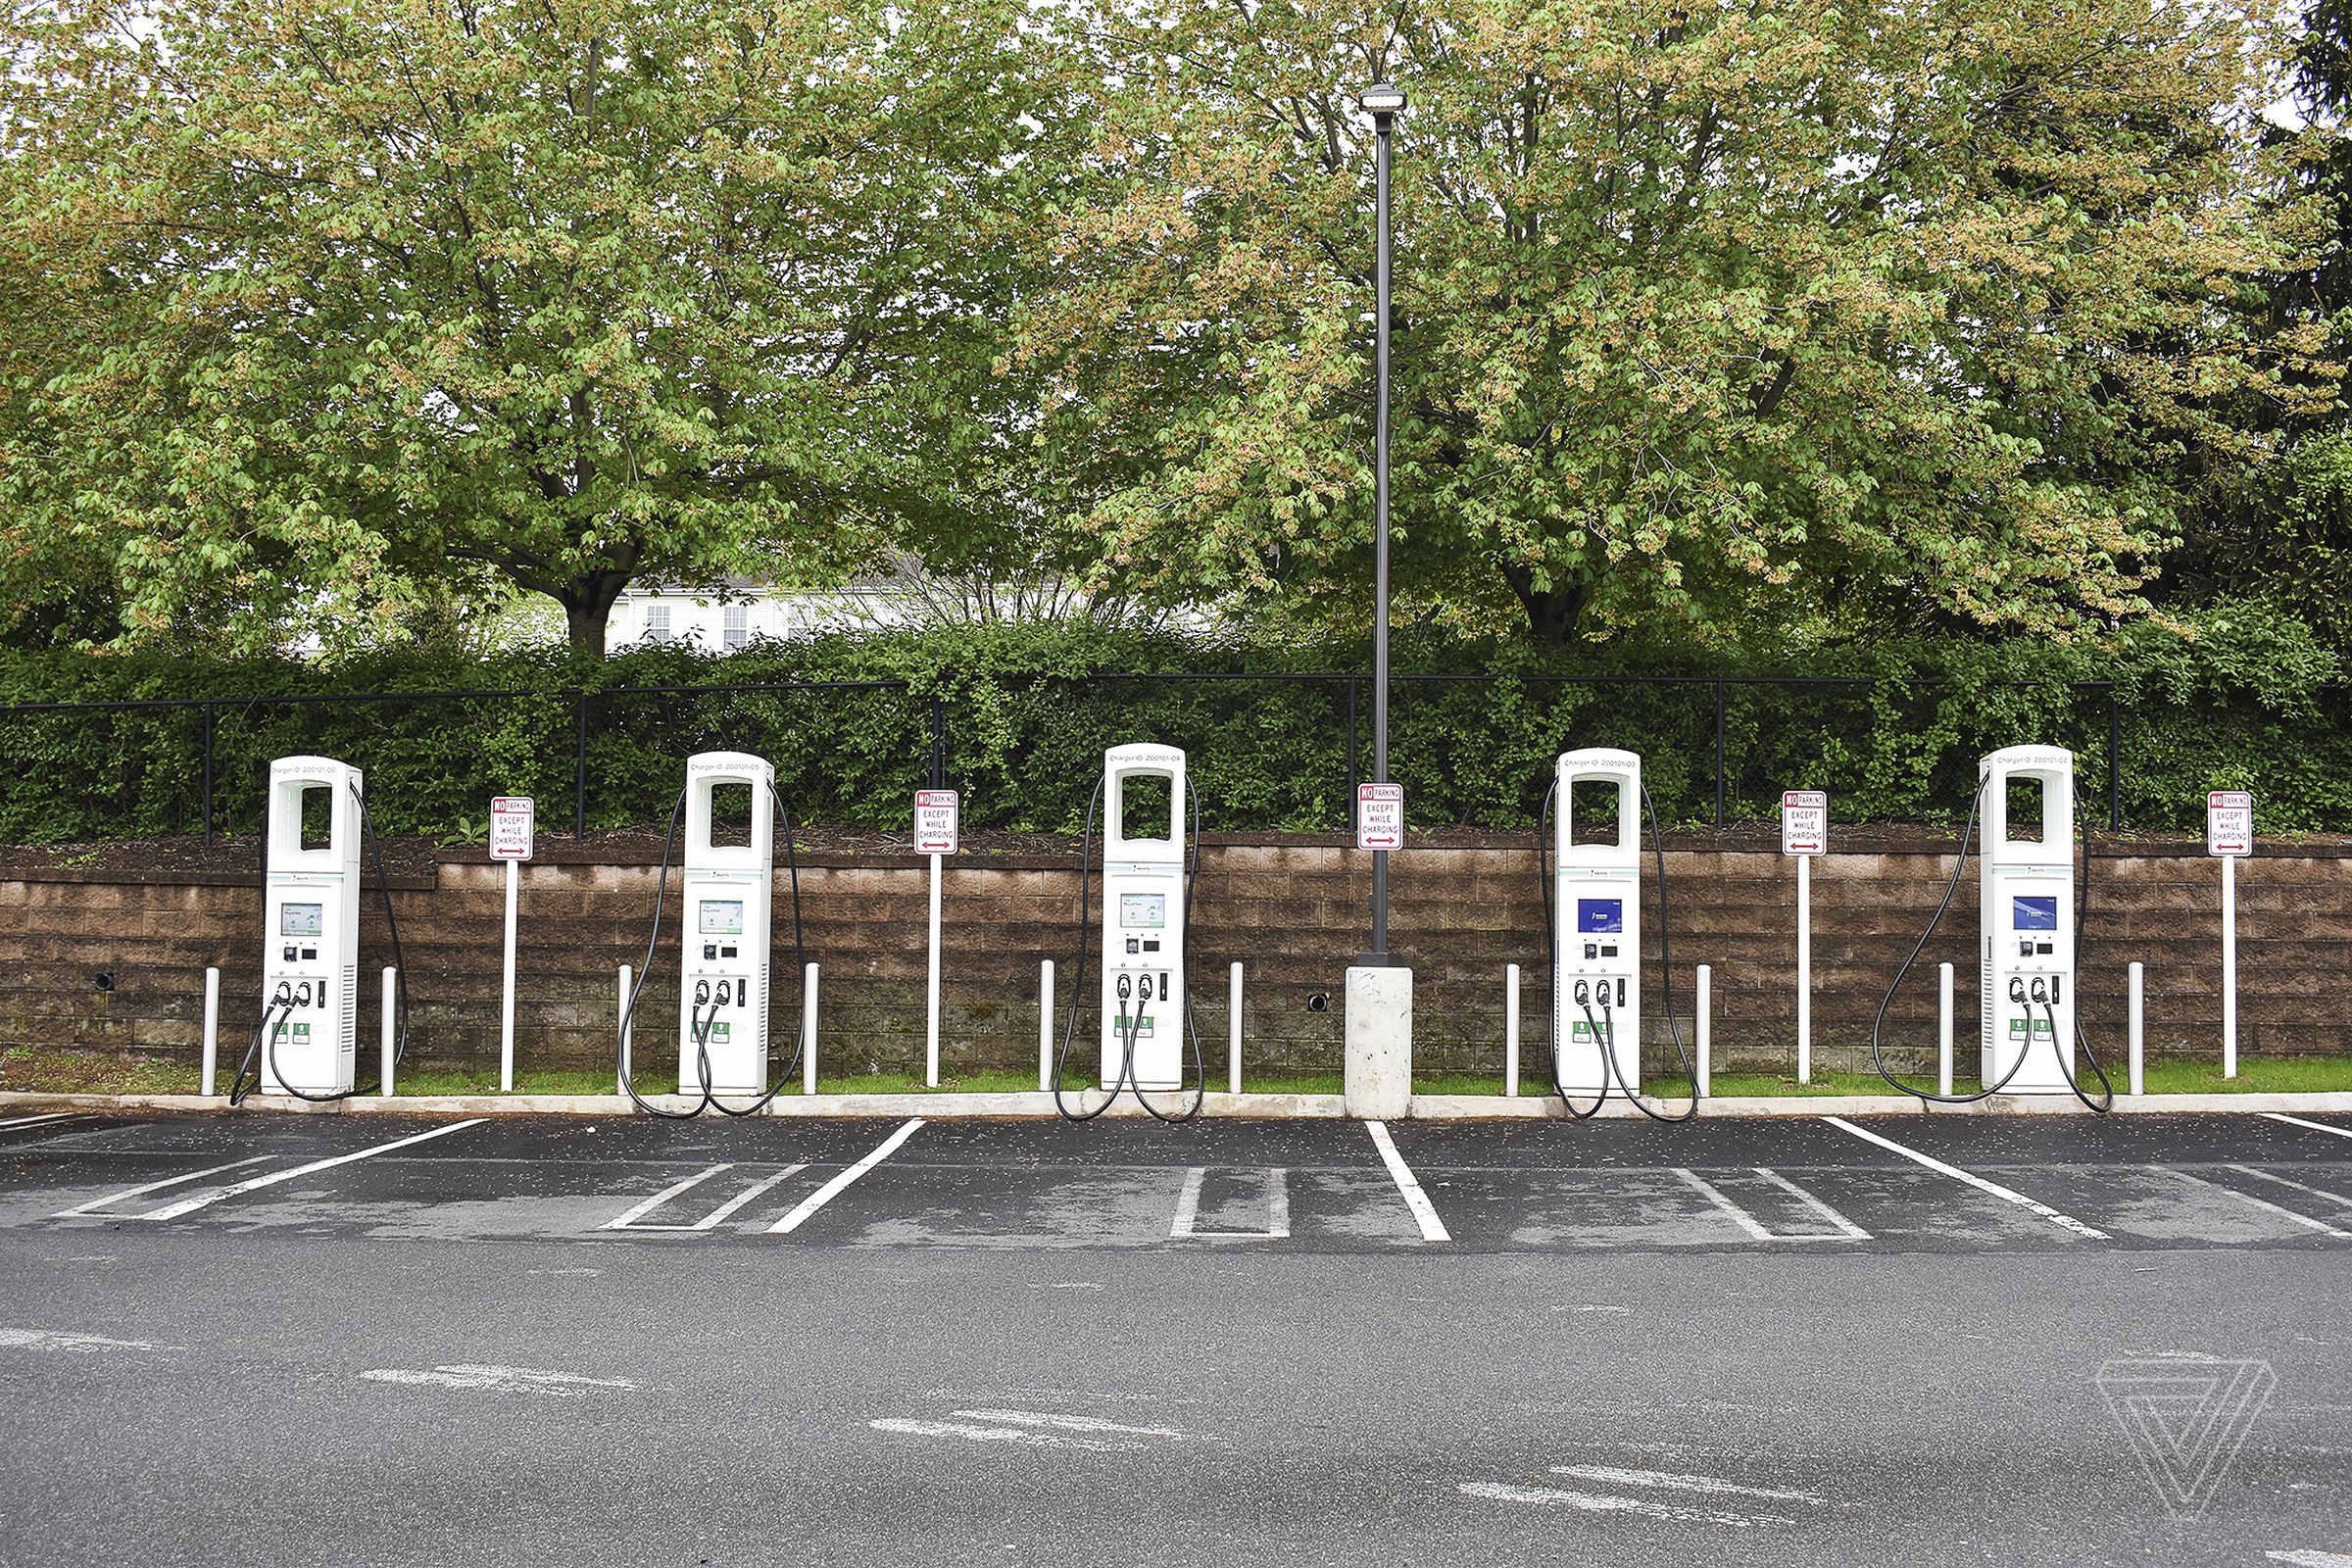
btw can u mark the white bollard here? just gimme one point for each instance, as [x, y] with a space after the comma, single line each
[388, 1042]
[211, 1030]
[1703, 1076]
[1044, 1027]
[1233, 1036]
[808, 1030]
[1510, 1030]
[1944, 1028]
[627, 1028]
[2134, 1014]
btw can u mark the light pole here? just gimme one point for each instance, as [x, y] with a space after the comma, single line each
[1383, 102]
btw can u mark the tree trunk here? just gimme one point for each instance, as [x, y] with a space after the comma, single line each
[1553, 614]
[587, 602]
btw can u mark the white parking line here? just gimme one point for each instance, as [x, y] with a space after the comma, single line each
[1188, 1209]
[2251, 1201]
[1675, 1481]
[2311, 1559]
[710, 1221]
[1067, 1423]
[1738, 1215]
[35, 1122]
[499, 1379]
[188, 1206]
[1425, 1213]
[99, 1206]
[1017, 1435]
[1754, 1227]
[831, 1189]
[2264, 1175]
[1609, 1502]
[2006, 1194]
[1847, 1226]
[2315, 1126]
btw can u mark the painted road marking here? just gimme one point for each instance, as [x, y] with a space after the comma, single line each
[710, 1221]
[2315, 1126]
[35, 1122]
[498, 1379]
[2249, 1200]
[79, 1343]
[1067, 1423]
[1611, 1502]
[1018, 1435]
[1755, 1227]
[1425, 1213]
[2311, 1559]
[833, 1189]
[188, 1206]
[1188, 1209]
[99, 1206]
[2266, 1176]
[2006, 1194]
[1844, 1225]
[1673, 1480]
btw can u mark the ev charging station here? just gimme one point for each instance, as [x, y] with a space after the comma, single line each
[2025, 884]
[1597, 933]
[723, 962]
[308, 1040]
[1143, 997]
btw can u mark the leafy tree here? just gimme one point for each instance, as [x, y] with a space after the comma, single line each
[337, 302]
[1735, 315]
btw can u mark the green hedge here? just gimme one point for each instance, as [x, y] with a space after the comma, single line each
[2248, 702]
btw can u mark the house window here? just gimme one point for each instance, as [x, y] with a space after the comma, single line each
[657, 624]
[736, 629]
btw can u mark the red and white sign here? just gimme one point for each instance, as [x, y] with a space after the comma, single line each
[1380, 817]
[2228, 823]
[1804, 822]
[510, 827]
[935, 821]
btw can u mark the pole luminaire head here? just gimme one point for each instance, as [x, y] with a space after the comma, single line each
[1381, 100]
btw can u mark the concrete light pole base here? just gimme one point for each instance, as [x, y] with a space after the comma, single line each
[1379, 1042]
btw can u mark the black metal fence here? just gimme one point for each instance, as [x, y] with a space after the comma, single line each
[1270, 750]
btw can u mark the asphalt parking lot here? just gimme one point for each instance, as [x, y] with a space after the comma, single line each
[271, 1338]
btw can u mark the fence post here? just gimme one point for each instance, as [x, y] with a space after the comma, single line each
[2114, 767]
[1352, 773]
[580, 768]
[208, 772]
[1719, 753]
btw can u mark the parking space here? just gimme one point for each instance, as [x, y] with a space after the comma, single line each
[1911, 1183]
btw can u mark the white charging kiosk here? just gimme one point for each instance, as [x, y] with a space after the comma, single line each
[1597, 930]
[2026, 873]
[311, 943]
[1142, 923]
[726, 891]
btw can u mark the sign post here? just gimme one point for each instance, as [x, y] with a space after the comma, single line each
[936, 826]
[1805, 834]
[511, 842]
[2229, 836]
[1380, 817]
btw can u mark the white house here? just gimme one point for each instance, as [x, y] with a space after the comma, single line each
[720, 620]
